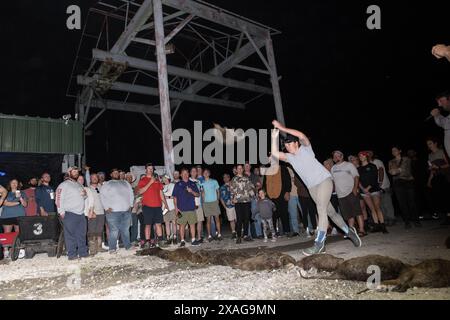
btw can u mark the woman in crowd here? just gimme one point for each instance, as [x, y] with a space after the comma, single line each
[371, 191]
[404, 187]
[242, 193]
[13, 207]
[438, 181]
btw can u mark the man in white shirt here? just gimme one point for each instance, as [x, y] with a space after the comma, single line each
[70, 201]
[346, 181]
[386, 196]
[117, 198]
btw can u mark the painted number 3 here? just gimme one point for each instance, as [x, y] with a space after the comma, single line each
[73, 21]
[374, 19]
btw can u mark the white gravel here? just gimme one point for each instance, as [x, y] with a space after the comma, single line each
[126, 276]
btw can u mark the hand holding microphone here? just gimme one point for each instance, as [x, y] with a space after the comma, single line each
[435, 112]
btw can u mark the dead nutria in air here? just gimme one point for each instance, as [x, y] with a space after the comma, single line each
[434, 273]
[352, 269]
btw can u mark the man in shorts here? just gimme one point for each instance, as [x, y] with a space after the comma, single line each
[346, 180]
[225, 200]
[198, 204]
[211, 204]
[184, 194]
[152, 199]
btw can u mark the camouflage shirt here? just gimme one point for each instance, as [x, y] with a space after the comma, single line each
[242, 190]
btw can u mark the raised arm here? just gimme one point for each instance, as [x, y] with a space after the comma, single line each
[275, 155]
[300, 135]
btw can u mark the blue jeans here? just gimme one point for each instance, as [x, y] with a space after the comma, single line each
[75, 228]
[293, 207]
[134, 227]
[119, 222]
[256, 225]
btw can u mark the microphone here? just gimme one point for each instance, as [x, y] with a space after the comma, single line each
[430, 116]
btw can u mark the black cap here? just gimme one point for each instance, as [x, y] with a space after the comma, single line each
[290, 138]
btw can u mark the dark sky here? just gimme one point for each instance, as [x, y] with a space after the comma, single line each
[344, 85]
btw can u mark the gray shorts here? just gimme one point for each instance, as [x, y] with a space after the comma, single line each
[200, 215]
[95, 226]
[170, 216]
[211, 209]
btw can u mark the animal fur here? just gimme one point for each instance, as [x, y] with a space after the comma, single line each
[321, 262]
[263, 260]
[326, 266]
[434, 273]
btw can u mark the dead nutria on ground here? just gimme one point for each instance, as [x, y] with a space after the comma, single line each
[262, 260]
[433, 273]
[329, 267]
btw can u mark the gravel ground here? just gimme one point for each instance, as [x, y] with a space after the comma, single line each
[127, 276]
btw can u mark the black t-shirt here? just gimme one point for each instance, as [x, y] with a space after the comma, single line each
[368, 176]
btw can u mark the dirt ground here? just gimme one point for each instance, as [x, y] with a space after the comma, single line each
[127, 276]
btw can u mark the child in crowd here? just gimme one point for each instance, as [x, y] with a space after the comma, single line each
[266, 207]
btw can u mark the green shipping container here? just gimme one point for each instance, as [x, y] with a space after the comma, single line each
[40, 135]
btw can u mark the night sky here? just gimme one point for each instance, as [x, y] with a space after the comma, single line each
[345, 86]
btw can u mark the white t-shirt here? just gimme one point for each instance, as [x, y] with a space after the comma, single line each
[344, 178]
[386, 183]
[167, 190]
[307, 167]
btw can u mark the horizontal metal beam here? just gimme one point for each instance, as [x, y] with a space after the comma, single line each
[180, 72]
[127, 87]
[144, 41]
[216, 15]
[126, 106]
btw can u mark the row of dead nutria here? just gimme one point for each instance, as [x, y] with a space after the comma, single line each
[434, 273]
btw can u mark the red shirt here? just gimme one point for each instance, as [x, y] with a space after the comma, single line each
[31, 209]
[151, 197]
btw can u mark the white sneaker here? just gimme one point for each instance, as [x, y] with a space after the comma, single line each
[104, 246]
[265, 239]
[22, 253]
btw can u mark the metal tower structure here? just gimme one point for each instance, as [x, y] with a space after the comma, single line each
[149, 56]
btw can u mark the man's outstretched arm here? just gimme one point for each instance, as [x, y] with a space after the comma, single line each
[300, 135]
